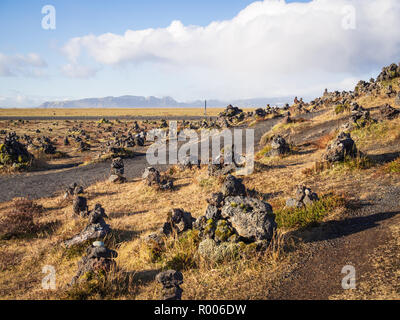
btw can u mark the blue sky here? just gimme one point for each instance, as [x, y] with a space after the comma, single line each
[38, 64]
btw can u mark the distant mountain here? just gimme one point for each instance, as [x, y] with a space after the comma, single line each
[154, 102]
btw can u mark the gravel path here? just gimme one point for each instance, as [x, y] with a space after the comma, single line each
[335, 244]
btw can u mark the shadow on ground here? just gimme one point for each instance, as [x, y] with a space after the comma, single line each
[385, 157]
[341, 228]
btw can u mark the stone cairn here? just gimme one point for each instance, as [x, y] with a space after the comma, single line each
[178, 221]
[286, 118]
[232, 219]
[170, 281]
[73, 190]
[229, 116]
[387, 112]
[303, 198]
[96, 228]
[97, 258]
[339, 148]
[80, 207]
[279, 147]
[117, 171]
[13, 152]
[218, 167]
[152, 177]
[359, 115]
[189, 162]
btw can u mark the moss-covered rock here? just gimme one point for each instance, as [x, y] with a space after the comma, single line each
[13, 153]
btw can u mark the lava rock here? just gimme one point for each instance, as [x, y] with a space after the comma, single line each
[253, 219]
[341, 147]
[233, 186]
[170, 281]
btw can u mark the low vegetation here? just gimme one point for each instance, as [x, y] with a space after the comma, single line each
[289, 218]
[20, 220]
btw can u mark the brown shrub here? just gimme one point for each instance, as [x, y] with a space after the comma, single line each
[19, 220]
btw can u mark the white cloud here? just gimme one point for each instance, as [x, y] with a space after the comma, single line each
[74, 70]
[30, 65]
[269, 48]
[18, 99]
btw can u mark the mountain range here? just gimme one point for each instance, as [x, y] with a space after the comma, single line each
[154, 102]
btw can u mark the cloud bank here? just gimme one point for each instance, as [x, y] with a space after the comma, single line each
[270, 48]
[30, 65]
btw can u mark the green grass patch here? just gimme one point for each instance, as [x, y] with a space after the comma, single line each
[341, 108]
[289, 218]
[181, 252]
[394, 166]
[357, 163]
[263, 152]
[371, 132]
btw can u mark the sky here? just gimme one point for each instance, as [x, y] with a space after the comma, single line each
[225, 49]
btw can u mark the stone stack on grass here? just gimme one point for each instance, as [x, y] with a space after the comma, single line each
[178, 222]
[73, 190]
[13, 153]
[152, 177]
[303, 198]
[170, 281]
[98, 258]
[80, 207]
[229, 116]
[117, 171]
[397, 100]
[232, 221]
[341, 147]
[360, 117]
[95, 230]
[279, 147]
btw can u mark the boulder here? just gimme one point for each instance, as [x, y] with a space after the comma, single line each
[13, 153]
[96, 228]
[340, 147]
[233, 186]
[279, 146]
[97, 258]
[253, 219]
[303, 197]
[178, 221]
[170, 281]
[213, 212]
[219, 169]
[80, 206]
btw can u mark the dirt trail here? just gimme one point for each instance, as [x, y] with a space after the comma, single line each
[335, 244]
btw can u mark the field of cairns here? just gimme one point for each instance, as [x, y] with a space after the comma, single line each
[81, 208]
